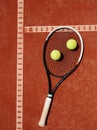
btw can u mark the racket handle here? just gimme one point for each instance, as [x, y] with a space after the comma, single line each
[45, 112]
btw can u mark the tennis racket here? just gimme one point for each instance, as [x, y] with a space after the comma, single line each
[62, 68]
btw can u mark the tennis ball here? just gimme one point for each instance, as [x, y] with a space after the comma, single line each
[55, 55]
[71, 44]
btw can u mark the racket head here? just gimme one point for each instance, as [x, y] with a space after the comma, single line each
[56, 40]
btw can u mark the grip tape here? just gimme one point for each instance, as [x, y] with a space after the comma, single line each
[45, 112]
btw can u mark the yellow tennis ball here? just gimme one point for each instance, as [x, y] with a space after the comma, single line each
[71, 44]
[55, 55]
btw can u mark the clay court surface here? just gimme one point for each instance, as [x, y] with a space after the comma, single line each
[75, 102]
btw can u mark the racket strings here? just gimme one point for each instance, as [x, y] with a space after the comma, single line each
[68, 59]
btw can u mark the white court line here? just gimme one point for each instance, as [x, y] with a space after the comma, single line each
[80, 28]
[19, 84]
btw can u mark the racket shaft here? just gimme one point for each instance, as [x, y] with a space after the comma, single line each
[45, 112]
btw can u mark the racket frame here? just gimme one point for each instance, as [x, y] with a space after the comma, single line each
[63, 77]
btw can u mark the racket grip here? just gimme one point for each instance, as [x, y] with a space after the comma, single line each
[45, 112]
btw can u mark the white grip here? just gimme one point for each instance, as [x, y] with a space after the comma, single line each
[45, 111]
